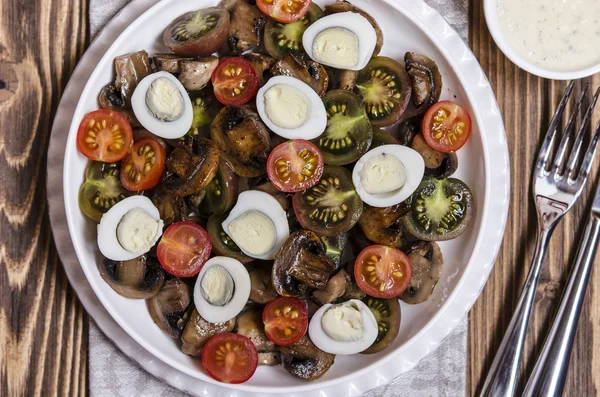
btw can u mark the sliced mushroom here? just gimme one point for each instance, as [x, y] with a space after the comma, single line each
[305, 360]
[198, 331]
[169, 307]
[168, 62]
[344, 6]
[425, 78]
[269, 358]
[305, 69]
[110, 98]
[172, 208]
[261, 289]
[427, 261]
[301, 264]
[384, 225]
[437, 164]
[194, 200]
[250, 324]
[245, 31]
[407, 129]
[139, 278]
[242, 139]
[130, 70]
[335, 288]
[191, 166]
[262, 65]
[195, 74]
[341, 79]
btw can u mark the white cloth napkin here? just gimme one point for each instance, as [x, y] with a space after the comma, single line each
[442, 373]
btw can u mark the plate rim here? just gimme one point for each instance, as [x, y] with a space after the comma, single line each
[436, 27]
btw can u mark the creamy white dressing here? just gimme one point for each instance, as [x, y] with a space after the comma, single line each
[559, 35]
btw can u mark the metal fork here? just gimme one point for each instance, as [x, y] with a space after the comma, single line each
[556, 186]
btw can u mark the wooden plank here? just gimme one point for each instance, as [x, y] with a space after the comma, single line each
[527, 103]
[43, 328]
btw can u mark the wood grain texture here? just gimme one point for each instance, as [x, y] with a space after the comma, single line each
[527, 104]
[43, 328]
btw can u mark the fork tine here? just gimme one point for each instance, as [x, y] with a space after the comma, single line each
[579, 140]
[546, 147]
[586, 165]
[559, 160]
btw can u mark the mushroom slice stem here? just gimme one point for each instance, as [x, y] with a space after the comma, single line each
[312, 269]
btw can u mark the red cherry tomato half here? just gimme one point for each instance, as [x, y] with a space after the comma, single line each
[286, 320]
[446, 126]
[230, 358]
[183, 249]
[104, 135]
[295, 165]
[234, 81]
[284, 10]
[382, 272]
[143, 167]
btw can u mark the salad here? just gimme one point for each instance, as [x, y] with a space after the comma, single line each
[244, 185]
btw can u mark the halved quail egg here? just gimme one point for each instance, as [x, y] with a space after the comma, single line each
[129, 229]
[222, 289]
[344, 41]
[162, 105]
[345, 328]
[291, 108]
[257, 224]
[388, 175]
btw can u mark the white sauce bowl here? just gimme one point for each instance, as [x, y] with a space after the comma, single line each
[490, 8]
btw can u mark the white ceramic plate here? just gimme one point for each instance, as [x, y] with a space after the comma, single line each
[408, 25]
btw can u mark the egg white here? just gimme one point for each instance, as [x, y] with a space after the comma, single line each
[413, 164]
[316, 120]
[356, 23]
[269, 206]
[241, 291]
[164, 129]
[330, 345]
[108, 242]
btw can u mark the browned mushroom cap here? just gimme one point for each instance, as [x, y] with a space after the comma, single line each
[341, 79]
[437, 164]
[242, 139]
[261, 289]
[110, 98]
[168, 62]
[191, 166]
[426, 80]
[172, 208]
[249, 324]
[130, 69]
[305, 360]
[245, 31]
[262, 65]
[426, 259]
[195, 74]
[305, 69]
[301, 264]
[335, 288]
[169, 307]
[198, 331]
[344, 6]
[139, 278]
[384, 225]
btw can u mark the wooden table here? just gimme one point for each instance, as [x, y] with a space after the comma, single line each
[43, 328]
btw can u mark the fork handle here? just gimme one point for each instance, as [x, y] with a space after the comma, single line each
[550, 371]
[502, 377]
